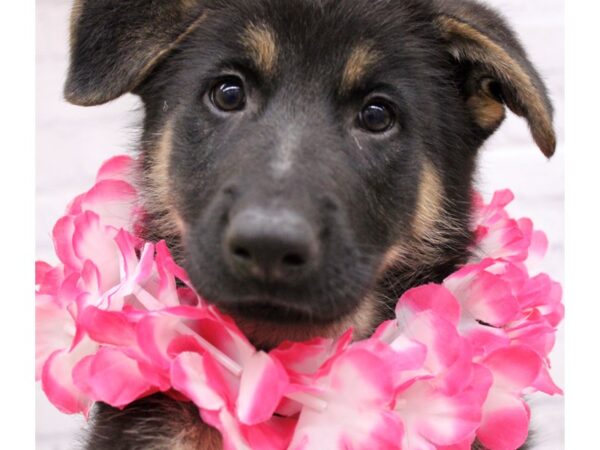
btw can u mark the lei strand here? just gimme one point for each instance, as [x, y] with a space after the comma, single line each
[113, 325]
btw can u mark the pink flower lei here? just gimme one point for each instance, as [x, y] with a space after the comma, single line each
[112, 325]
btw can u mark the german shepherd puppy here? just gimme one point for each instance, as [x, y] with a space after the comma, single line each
[307, 160]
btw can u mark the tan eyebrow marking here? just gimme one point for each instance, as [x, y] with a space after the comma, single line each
[260, 42]
[361, 58]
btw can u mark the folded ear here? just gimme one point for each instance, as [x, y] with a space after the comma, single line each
[494, 69]
[116, 43]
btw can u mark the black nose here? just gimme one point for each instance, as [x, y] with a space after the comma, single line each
[270, 245]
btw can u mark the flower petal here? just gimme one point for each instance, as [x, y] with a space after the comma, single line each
[57, 379]
[358, 380]
[262, 386]
[514, 368]
[432, 297]
[94, 242]
[108, 327]
[62, 234]
[114, 201]
[505, 423]
[112, 377]
[116, 168]
[54, 330]
[189, 376]
[432, 418]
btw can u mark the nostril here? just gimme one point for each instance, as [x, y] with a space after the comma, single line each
[242, 253]
[230, 190]
[293, 260]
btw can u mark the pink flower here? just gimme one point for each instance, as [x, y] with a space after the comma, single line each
[441, 404]
[303, 360]
[505, 422]
[112, 377]
[87, 243]
[433, 419]
[48, 278]
[501, 237]
[428, 316]
[117, 319]
[241, 408]
[57, 378]
[112, 197]
[543, 296]
[60, 346]
[55, 324]
[358, 380]
[485, 295]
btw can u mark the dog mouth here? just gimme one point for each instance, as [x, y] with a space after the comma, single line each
[274, 311]
[266, 325]
[267, 322]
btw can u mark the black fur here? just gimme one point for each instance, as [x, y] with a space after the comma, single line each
[357, 191]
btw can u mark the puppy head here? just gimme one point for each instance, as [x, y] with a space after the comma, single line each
[308, 160]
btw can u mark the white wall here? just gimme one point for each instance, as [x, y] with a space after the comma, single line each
[73, 141]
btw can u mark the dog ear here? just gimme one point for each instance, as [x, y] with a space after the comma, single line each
[494, 70]
[116, 43]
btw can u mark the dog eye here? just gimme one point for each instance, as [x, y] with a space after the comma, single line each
[376, 117]
[228, 95]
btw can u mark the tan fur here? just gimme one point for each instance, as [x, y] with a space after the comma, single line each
[189, 438]
[362, 57]
[158, 54]
[470, 44]
[188, 4]
[149, 55]
[159, 200]
[488, 112]
[429, 200]
[391, 258]
[433, 227]
[413, 255]
[160, 167]
[364, 320]
[156, 422]
[429, 227]
[259, 41]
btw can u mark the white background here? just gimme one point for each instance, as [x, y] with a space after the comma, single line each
[73, 141]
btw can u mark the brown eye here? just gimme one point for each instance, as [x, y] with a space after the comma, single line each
[376, 117]
[229, 95]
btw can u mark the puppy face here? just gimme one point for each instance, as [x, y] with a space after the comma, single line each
[310, 160]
